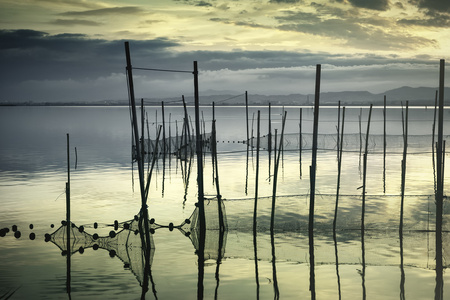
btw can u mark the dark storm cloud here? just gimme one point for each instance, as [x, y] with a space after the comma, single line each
[44, 67]
[285, 1]
[203, 3]
[431, 20]
[126, 10]
[29, 55]
[433, 5]
[381, 5]
[74, 22]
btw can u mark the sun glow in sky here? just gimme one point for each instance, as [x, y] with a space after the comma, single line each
[73, 49]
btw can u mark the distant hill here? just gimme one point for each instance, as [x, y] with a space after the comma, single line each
[415, 96]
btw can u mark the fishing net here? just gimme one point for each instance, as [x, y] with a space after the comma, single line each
[351, 142]
[126, 244]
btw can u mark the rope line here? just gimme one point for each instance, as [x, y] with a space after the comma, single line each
[163, 70]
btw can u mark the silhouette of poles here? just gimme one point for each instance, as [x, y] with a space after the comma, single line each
[405, 149]
[255, 249]
[439, 194]
[200, 203]
[300, 140]
[384, 145]
[257, 170]
[312, 172]
[275, 172]
[365, 171]
[341, 140]
[68, 224]
[144, 211]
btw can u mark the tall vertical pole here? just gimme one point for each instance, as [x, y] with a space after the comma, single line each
[270, 130]
[68, 224]
[312, 172]
[384, 145]
[135, 126]
[246, 116]
[145, 238]
[199, 151]
[314, 149]
[201, 206]
[439, 185]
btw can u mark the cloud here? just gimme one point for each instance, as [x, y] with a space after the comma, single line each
[124, 10]
[74, 22]
[431, 20]
[43, 67]
[381, 5]
[432, 5]
[203, 3]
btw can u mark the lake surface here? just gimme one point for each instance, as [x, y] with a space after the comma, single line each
[378, 264]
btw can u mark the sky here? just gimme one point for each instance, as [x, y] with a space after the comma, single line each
[73, 50]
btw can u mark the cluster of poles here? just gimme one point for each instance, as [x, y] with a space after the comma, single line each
[144, 180]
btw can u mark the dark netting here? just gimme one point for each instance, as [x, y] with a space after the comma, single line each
[352, 142]
[126, 244]
[216, 235]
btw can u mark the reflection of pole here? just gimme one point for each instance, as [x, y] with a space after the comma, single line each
[337, 262]
[68, 224]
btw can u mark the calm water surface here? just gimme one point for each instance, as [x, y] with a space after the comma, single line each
[104, 188]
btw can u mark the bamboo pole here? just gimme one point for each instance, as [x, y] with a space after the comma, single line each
[257, 170]
[339, 170]
[246, 116]
[384, 145]
[365, 171]
[440, 184]
[405, 150]
[337, 129]
[269, 135]
[312, 280]
[68, 223]
[201, 207]
[300, 142]
[199, 153]
[275, 172]
[314, 149]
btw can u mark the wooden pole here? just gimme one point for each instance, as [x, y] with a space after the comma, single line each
[270, 130]
[337, 129]
[300, 142]
[275, 172]
[363, 210]
[68, 223]
[314, 149]
[201, 207]
[405, 149]
[312, 285]
[246, 116]
[339, 170]
[384, 145]
[272, 211]
[199, 152]
[440, 184]
[164, 143]
[257, 170]
[144, 211]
